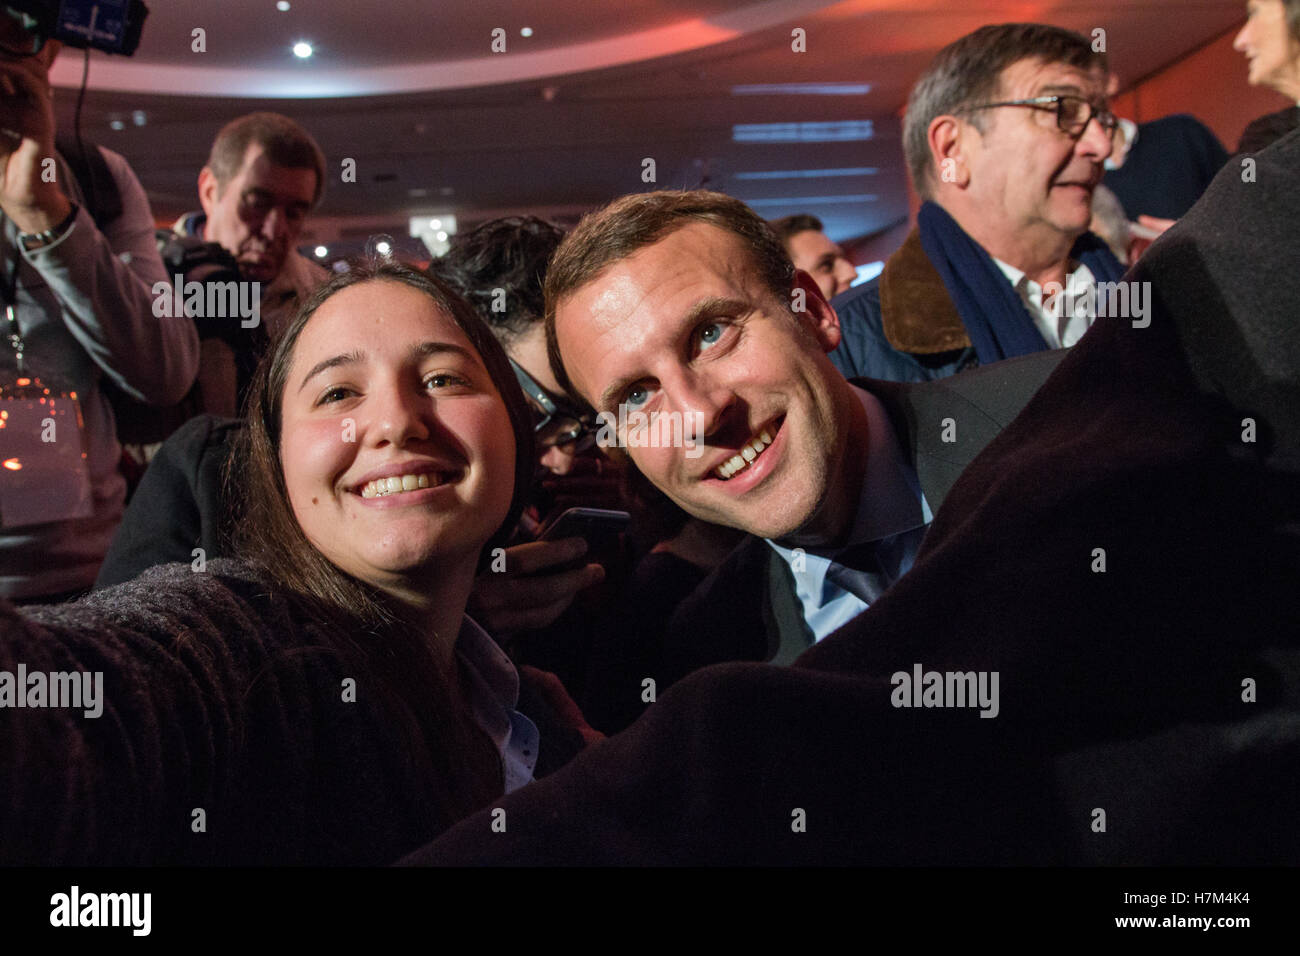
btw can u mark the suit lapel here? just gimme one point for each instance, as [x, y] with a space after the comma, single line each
[943, 425]
[788, 634]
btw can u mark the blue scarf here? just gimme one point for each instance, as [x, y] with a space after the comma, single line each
[996, 320]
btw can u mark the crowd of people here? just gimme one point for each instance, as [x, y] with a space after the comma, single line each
[989, 559]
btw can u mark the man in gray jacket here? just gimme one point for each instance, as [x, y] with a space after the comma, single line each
[78, 311]
[263, 177]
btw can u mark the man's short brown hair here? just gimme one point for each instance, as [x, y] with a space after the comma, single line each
[284, 142]
[969, 71]
[788, 226]
[633, 222]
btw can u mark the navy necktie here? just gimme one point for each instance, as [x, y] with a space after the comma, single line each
[859, 571]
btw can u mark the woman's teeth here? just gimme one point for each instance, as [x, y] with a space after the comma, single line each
[747, 454]
[392, 486]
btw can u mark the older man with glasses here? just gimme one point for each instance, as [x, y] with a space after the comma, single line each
[1005, 137]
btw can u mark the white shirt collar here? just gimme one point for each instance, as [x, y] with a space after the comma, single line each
[1059, 331]
[493, 689]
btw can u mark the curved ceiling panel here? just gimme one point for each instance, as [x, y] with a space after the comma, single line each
[184, 72]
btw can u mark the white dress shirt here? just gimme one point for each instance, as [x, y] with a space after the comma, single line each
[891, 510]
[1064, 329]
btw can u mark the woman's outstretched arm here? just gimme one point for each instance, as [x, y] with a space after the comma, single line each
[122, 718]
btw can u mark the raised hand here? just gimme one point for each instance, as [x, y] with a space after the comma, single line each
[30, 193]
[534, 589]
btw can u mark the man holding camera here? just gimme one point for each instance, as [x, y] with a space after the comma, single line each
[76, 279]
[264, 175]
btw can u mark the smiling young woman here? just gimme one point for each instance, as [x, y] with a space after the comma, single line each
[323, 699]
[385, 372]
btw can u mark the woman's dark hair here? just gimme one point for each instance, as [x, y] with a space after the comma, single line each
[362, 623]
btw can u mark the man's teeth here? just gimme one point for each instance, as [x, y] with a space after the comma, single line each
[391, 486]
[747, 454]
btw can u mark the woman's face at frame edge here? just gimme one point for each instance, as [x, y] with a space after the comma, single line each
[384, 386]
[1271, 51]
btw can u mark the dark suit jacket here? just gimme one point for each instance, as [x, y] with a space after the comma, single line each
[747, 609]
[1124, 555]
[179, 504]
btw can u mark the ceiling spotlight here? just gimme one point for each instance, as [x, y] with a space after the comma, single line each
[302, 49]
[321, 251]
[442, 235]
[138, 118]
[383, 248]
[116, 124]
[435, 223]
[282, 6]
[526, 31]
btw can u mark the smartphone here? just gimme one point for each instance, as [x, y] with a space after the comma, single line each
[594, 524]
[602, 528]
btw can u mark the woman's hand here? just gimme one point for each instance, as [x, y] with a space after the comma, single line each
[535, 587]
[1152, 228]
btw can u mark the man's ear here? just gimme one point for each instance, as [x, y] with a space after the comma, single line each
[817, 315]
[209, 190]
[949, 140]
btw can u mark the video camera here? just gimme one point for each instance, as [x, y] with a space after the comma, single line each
[113, 26]
[196, 260]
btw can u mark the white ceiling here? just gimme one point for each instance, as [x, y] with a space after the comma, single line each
[564, 118]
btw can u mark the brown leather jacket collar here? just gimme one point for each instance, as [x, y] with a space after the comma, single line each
[917, 314]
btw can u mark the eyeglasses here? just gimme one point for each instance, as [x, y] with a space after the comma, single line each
[555, 423]
[1073, 113]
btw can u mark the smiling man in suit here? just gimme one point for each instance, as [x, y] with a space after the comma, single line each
[1122, 555]
[684, 306]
